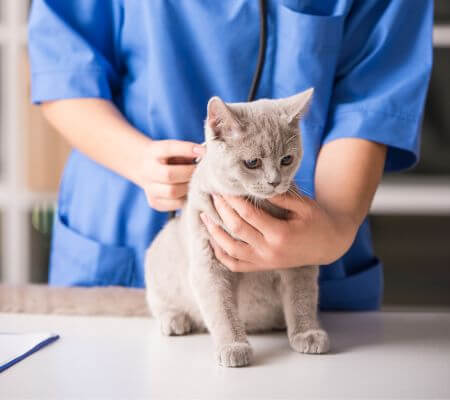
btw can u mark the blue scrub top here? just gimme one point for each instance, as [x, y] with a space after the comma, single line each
[160, 61]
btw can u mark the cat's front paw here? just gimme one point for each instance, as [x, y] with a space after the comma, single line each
[175, 324]
[313, 341]
[234, 355]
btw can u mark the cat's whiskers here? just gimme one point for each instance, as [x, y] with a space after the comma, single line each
[296, 194]
[257, 204]
[306, 192]
[292, 137]
[252, 201]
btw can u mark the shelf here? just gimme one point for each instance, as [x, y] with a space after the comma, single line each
[413, 195]
[24, 200]
[441, 35]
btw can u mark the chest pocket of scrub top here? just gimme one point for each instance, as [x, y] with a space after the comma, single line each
[306, 49]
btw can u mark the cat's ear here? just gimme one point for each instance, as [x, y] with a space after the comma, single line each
[297, 106]
[220, 119]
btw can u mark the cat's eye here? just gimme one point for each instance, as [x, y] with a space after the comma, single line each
[253, 164]
[287, 160]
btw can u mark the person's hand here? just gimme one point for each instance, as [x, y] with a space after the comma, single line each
[310, 236]
[166, 171]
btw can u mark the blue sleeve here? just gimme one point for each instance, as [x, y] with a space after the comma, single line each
[72, 49]
[382, 77]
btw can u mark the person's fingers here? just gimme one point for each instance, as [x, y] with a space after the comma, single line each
[235, 224]
[171, 174]
[290, 201]
[258, 218]
[285, 201]
[179, 160]
[231, 263]
[165, 204]
[165, 191]
[164, 149]
[299, 206]
[235, 248]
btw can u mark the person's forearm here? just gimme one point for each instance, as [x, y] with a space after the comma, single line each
[347, 175]
[96, 128]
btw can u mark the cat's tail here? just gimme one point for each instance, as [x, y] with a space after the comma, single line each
[43, 299]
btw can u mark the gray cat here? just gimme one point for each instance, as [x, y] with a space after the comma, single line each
[253, 150]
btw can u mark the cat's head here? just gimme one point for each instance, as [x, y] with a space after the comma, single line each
[255, 148]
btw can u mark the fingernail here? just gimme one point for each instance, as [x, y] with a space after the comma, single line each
[199, 149]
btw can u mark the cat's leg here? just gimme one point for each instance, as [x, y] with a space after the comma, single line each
[213, 285]
[215, 288]
[175, 323]
[299, 294]
[168, 294]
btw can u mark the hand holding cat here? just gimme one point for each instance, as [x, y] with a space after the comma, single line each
[167, 171]
[310, 236]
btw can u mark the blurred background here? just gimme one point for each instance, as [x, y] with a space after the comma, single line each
[410, 216]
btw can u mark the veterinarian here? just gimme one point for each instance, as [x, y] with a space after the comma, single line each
[127, 83]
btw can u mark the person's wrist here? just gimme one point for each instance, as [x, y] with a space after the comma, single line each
[141, 167]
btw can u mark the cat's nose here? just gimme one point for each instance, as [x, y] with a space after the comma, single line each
[275, 182]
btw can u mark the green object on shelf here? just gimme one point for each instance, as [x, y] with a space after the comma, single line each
[42, 218]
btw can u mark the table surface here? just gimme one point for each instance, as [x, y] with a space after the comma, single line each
[374, 355]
